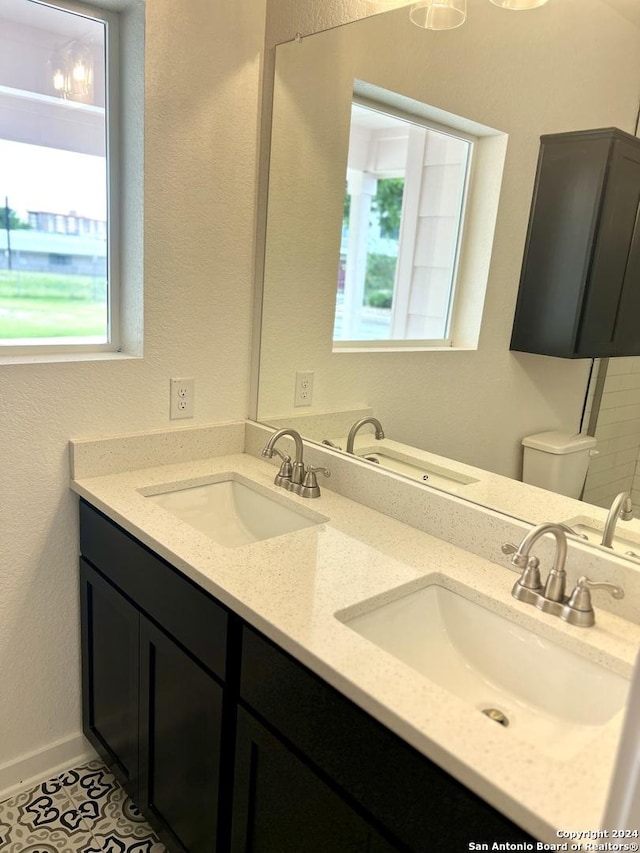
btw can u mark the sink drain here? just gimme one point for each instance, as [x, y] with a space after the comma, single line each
[496, 715]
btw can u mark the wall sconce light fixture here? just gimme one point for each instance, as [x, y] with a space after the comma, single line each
[72, 71]
[439, 14]
[447, 14]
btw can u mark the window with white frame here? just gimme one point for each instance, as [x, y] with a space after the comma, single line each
[58, 261]
[404, 211]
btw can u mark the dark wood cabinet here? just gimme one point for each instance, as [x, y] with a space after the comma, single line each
[579, 293]
[180, 742]
[153, 702]
[110, 676]
[227, 743]
[282, 806]
[415, 805]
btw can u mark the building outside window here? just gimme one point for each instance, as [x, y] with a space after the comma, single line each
[58, 277]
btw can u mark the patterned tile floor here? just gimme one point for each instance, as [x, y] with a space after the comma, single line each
[83, 810]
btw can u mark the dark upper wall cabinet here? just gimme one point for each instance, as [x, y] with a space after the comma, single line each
[579, 291]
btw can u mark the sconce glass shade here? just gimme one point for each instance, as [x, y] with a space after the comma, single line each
[519, 5]
[439, 14]
[72, 71]
[81, 70]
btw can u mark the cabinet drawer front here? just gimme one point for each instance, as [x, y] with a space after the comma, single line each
[413, 798]
[186, 612]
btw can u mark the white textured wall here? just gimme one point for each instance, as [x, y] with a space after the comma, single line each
[568, 65]
[202, 92]
[285, 18]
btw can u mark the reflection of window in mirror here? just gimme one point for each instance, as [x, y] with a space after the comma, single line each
[403, 218]
[418, 224]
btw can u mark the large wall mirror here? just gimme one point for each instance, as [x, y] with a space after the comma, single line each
[505, 77]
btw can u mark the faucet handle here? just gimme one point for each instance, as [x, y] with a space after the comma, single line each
[582, 596]
[579, 610]
[530, 577]
[528, 587]
[310, 487]
[283, 477]
[310, 478]
[519, 560]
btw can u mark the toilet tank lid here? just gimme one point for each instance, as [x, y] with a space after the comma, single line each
[555, 441]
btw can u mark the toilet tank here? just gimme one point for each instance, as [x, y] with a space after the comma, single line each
[557, 461]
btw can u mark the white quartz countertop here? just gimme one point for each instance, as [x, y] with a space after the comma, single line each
[291, 586]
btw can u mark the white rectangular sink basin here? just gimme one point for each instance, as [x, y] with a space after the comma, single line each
[426, 472]
[623, 539]
[232, 510]
[549, 696]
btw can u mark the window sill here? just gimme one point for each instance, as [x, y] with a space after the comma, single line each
[63, 357]
[371, 348]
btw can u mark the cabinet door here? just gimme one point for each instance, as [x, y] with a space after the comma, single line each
[110, 675]
[610, 321]
[282, 806]
[180, 743]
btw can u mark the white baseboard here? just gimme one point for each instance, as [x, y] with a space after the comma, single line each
[28, 770]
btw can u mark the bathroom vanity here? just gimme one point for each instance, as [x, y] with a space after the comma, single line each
[233, 694]
[172, 679]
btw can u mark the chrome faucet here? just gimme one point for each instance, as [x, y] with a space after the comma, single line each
[294, 476]
[530, 579]
[575, 609]
[297, 468]
[354, 429]
[621, 507]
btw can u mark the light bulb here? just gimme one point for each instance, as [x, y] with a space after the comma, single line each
[58, 80]
[79, 71]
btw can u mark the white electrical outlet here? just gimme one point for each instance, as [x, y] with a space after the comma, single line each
[182, 398]
[304, 389]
